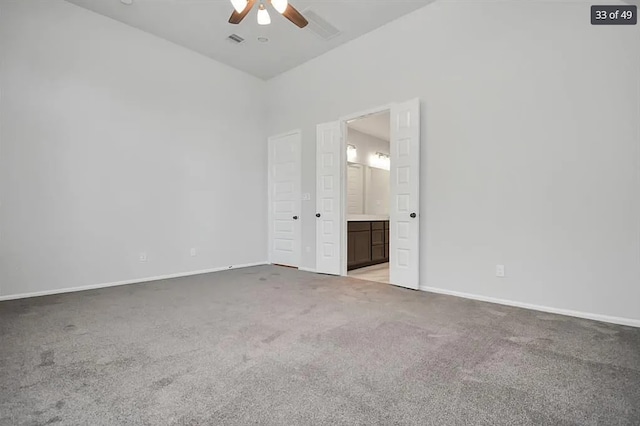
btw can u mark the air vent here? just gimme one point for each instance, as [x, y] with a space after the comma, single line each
[319, 26]
[235, 38]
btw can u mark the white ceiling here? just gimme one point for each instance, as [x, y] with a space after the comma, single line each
[378, 125]
[201, 25]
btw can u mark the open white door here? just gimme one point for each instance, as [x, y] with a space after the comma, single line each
[404, 214]
[329, 196]
[284, 199]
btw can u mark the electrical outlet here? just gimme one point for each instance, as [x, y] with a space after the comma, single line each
[307, 249]
[306, 196]
[500, 271]
[143, 257]
[193, 252]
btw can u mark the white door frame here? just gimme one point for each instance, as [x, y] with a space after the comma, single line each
[298, 203]
[343, 211]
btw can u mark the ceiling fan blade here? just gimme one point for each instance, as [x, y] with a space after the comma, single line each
[236, 17]
[292, 14]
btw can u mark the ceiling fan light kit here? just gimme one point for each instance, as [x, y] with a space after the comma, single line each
[263, 15]
[239, 5]
[243, 7]
[280, 5]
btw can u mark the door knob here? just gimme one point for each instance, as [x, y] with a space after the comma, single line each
[413, 215]
[295, 218]
[318, 215]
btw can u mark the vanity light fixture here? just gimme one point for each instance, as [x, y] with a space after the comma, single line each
[352, 153]
[381, 161]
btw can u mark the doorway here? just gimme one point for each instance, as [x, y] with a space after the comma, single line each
[368, 185]
[404, 194]
[284, 176]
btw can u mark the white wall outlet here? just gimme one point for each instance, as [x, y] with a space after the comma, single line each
[500, 271]
[307, 249]
[306, 196]
[193, 252]
[143, 257]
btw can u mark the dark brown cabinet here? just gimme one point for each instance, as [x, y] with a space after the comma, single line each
[359, 243]
[386, 240]
[368, 243]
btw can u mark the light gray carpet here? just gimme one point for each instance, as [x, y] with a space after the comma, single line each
[270, 345]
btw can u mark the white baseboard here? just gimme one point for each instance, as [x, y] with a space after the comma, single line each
[127, 282]
[597, 317]
[585, 315]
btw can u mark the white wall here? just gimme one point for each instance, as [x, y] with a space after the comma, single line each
[531, 152]
[114, 142]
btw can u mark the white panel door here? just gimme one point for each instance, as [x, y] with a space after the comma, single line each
[404, 215]
[284, 199]
[329, 167]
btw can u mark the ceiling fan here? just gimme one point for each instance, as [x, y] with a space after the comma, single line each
[243, 7]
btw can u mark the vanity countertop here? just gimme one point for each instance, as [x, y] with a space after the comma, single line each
[366, 217]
